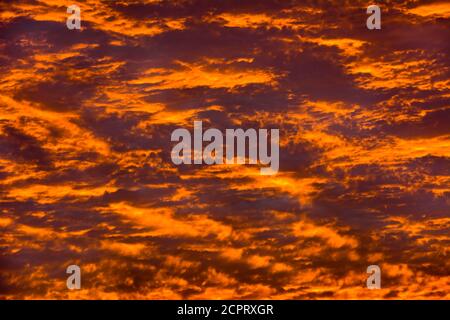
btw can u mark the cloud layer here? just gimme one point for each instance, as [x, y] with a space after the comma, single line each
[85, 171]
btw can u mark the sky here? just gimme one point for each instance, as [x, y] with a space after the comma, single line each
[86, 176]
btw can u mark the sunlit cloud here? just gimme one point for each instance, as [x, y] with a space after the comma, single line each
[85, 174]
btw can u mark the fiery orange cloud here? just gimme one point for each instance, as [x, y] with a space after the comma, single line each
[86, 175]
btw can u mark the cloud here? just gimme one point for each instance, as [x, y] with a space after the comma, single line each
[85, 170]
